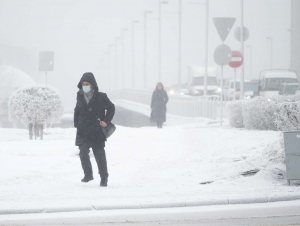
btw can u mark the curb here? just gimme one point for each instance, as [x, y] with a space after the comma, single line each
[248, 200]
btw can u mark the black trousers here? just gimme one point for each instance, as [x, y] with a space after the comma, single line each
[159, 124]
[100, 157]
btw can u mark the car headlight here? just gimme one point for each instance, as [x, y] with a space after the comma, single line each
[196, 92]
[172, 91]
[219, 90]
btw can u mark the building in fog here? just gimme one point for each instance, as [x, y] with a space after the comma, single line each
[296, 36]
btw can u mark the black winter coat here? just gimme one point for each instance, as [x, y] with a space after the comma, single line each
[86, 115]
[158, 104]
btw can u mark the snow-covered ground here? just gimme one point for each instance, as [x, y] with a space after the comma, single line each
[146, 165]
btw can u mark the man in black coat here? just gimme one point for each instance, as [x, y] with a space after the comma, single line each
[93, 110]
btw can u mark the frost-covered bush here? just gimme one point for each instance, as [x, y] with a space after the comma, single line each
[35, 105]
[258, 113]
[287, 116]
[235, 113]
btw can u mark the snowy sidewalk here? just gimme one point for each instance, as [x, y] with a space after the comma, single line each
[148, 168]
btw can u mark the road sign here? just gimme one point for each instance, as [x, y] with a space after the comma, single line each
[237, 33]
[237, 59]
[46, 61]
[223, 25]
[222, 55]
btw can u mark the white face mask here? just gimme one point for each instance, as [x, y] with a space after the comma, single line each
[86, 89]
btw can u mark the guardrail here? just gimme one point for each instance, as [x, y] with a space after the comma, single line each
[181, 105]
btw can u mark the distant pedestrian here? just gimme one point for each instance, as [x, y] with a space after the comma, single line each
[91, 106]
[159, 105]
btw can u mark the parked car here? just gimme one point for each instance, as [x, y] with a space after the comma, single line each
[287, 89]
[250, 89]
[271, 80]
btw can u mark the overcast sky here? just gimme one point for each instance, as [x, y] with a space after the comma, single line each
[80, 31]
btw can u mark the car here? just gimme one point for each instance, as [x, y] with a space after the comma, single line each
[231, 93]
[174, 89]
[271, 80]
[287, 89]
[196, 81]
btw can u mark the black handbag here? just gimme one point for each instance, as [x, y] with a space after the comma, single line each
[109, 129]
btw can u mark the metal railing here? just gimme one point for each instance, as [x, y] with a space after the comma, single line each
[180, 105]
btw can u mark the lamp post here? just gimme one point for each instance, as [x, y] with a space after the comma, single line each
[116, 63]
[242, 50]
[250, 59]
[133, 57]
[145, 47]
[206, 43]
[271, 40]
[206, 46]
[291, 30]
[179, 43]
[123, 58]
[159, 38]
[109, 65]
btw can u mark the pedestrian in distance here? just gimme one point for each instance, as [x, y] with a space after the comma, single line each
[159, 105]
[93, 110]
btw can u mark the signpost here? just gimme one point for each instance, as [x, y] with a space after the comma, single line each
[237, 33]
[236, 61]
[222, 54]
[46, 61]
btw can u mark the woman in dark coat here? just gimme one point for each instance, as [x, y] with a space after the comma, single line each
[91, 106]
[158, 105]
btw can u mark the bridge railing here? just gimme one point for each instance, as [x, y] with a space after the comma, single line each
[180, 105]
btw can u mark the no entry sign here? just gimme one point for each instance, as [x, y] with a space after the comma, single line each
[237, 59]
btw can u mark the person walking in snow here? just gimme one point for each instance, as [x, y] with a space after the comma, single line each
[159, 105]
[91, 106]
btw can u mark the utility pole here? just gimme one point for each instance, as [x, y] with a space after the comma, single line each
[271, 56]
[123, 58]
[116, 63]
[133, 56]
[159, 38]
[145, 47]
[242, 50]
[179, 43]
[206, 47]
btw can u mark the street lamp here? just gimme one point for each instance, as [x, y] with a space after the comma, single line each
[145, 47]
[133, 58]
[159, 38]
[179, 43]
[109, 65]
[116, 63]
[123, 58]
[250, 49]
[271, 40]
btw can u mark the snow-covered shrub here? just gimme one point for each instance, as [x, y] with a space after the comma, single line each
[235, 113]
[35, 105]
[258, 113]
[287, 116]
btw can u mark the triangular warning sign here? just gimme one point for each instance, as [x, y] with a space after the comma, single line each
[223, 25]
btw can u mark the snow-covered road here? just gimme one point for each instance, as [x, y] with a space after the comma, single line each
[146, 165]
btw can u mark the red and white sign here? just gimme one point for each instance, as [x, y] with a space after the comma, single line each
[237, 59]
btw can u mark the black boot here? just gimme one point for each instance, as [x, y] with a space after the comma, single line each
[87, 178]
[103, 182]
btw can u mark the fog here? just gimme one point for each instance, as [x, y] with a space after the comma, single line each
[81, 31]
